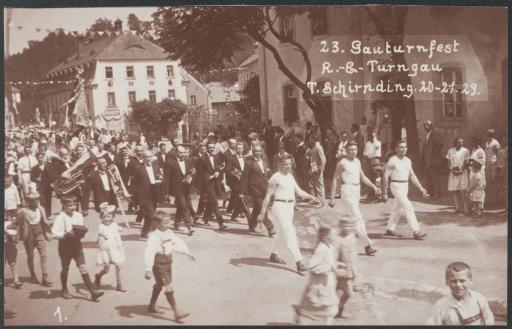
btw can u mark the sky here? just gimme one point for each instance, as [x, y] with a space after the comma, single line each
[74, 19]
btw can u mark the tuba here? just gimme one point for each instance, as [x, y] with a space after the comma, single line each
[117, 182]
[75, 176]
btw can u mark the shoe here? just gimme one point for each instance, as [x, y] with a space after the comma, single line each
[319, 205]
[392, 234]
[177, 228]
[66, 295]
[370, 251]
[179, 316]
[18, 285]
[34, 279]
[46, 282]
[223, 228]
[190, 232]
[275, 259]
[95, 295]
[271, 233]
[154, 310]
[234, 220]
[121, 289]
[252, 230]
[419, 235]
[97, 280]
[144, 236]
[301, 269]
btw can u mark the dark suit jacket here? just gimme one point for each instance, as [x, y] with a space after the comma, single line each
[206, 170]
[161, 159]
[254, 181]
[141, 187]
[41, 178]
[100, 195]
[359, 140]
[171, 154]
[432, 156]
[234, 182]
[230, 160]
[107, 156]
[173, 177]
[126, 170]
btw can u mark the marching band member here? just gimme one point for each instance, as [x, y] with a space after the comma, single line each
[234, 169]
[101, 185]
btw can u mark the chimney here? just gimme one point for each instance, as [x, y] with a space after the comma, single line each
[118, 25]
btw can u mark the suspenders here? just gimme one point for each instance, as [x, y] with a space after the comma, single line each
[466, 321]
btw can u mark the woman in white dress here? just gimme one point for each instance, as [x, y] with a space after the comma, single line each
[478, 154]
[458, 179]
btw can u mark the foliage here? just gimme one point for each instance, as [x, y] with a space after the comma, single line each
[101, 24]
[158, 115]
[250, 96]
[134, 23]
[204, 38]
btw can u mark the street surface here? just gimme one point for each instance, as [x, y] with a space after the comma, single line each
[231, 282]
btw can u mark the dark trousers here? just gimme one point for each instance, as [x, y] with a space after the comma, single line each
[433, 180]
[213, 206]
[183, 206]
[36, 240]
[239, 206]
[256, 203]
[46, 201]
[70, 249]
[202, 203]
[146, 211]
[232, 201]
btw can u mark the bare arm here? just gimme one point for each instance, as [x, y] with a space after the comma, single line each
[337, 173]
[301, 193]
[272, 185]
[417, 183]
[385, 180]
[368, 182]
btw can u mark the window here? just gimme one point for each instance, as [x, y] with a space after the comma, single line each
[150, 71]
[152, 96]
[172, 94]
[290, 104]
[318, 18]
[111, 99]
[327, 115]
[453, 103]
[193, 100]
[132, 97]
[129, 72]
[170, 71]
[109, 73]
[286, 27]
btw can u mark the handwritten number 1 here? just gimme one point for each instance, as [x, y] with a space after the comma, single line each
[57, 312]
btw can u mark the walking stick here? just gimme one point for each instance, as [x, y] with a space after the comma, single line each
[122, 212]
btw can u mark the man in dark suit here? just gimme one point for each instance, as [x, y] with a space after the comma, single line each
[137, 161]
[161, 158]
[145, 180]
[173, 153]
[40, 175]
[234, 169]
[110, 153]
[358, 138]
[211, 167]
[177, 182]
[229, 157]
[301, 162]
[254, 182]
[101, 185]
[433, 160]
[197, 181]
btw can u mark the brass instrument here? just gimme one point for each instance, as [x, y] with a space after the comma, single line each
[76, 175]
[190, 174]
[117, 182]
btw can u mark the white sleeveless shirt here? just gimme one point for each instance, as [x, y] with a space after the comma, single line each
[352, 171]
[285, 186]
[401, 168]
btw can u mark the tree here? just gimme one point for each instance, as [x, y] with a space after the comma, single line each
[250, 97]
[101, 24]
[134, 24]
[158, 116]
[205, 37]
[389, 22]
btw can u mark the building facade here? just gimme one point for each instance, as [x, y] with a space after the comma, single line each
[120, 68]
[482, 37]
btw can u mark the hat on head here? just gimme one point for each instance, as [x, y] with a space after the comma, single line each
[107, 208]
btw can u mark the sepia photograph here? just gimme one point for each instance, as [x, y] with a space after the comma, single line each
[269, 165]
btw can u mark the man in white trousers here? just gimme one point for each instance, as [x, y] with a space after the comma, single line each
[351, 174]
[398, 172]
[282, 187]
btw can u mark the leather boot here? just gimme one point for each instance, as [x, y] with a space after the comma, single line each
[46, 282]
[95, 295]
[152, 303]
[64, 282]
[178, 315]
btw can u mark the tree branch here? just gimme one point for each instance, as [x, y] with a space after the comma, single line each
[296, 44]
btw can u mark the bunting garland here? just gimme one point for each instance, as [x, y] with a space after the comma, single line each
[59, 30]
[49, 82]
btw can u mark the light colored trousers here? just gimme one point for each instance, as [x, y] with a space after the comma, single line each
[316, 185]
[401, 205]
[282, 213]
[350, 196]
